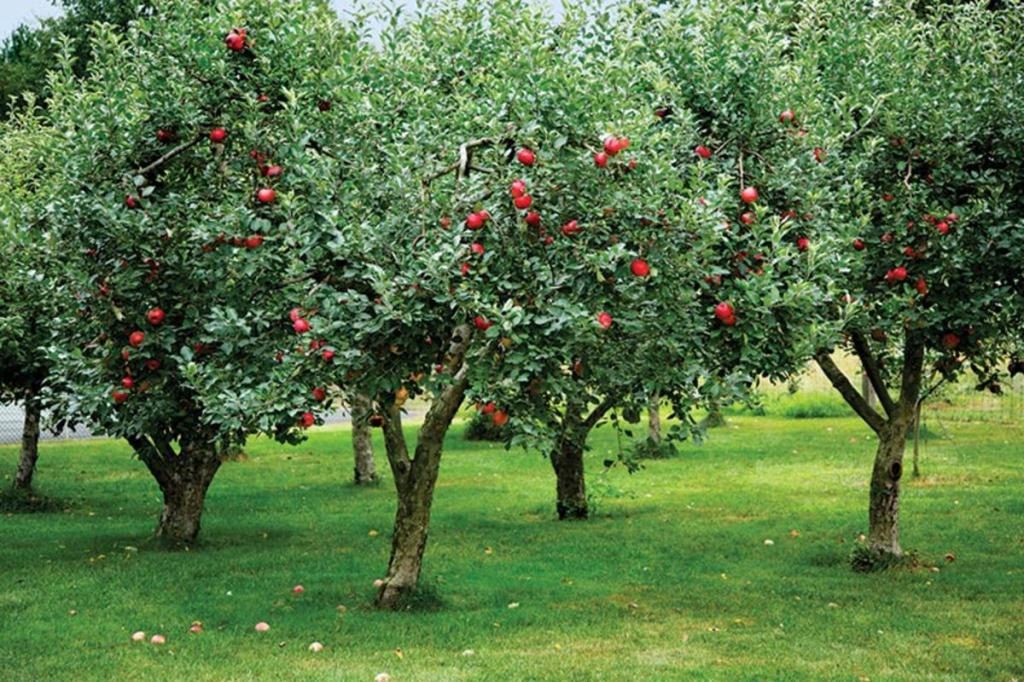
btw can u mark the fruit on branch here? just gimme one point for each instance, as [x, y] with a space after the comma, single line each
[300, 326]
[266, 196]
[571, 228]
[482, 323]
[155, 316]
[218, 135]
[235, 39]
[136, 338]
[787, 117]
[533, 219]
[523, 202]
[500, 418]
[306, 420]
[639, 267]
[526, 156]
[517, 189]
[725, 313]
[702, 151]
[475, 221]
[749, 195]
[803, 243]
[119, 396]
[895, 275]
[601, 160]
[748, 218]
[131, 202]
[605, 320]
[859, 245]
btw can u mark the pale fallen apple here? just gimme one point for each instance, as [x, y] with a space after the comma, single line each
[262, 627]
[139, 636]
[298, 589]
[378, 583]
[158, 639]
[769, 542]
[196, 628]
[382, 677]
[316, 647]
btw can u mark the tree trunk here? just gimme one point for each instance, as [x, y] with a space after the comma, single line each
[362, 441]
[917, 441]
[866, 390]
[408, 542]
[184, 479]
[29, 442]
[714, 419]
[570, 486]
[884, 511]
[654, 420]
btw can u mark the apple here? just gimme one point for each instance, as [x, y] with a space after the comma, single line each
[533, 219]
[158, 640]
[266, 196]
[196, 628]
[253, 241]
[298, 589]
[952, 218]
[639, 267]
[131, 202]
[164, 135]
[888, 238]
[859, 245]
[128, 383]
[319, 394]
[274, 171]
[376, 421]
[748, 218]
[950, 341]
[663, 112]
[445, 222]
[294, 314]
[523, 202]
[724, 311]
[136, 338]
[624, 143]
[517, 189]
[155, 316]
[489, 408]
[300, 326]
[921, 286]
[235, 40]
[549, 240]
[749, 195]
[327, 355]
[571, 228]
[474, 221]
[702, 151]
[119, 396]
[633, 163]
[601, 160]
[306, 420]
[526, 156]
[139, 636]
[477, 248]
[464, 269]
[612, 146]
[605, 320]
[152, 365]
[316, 647]
[897, 274]
[942, 227]
[803, 243]
[262, 627]
[482, 323]
[500, 418]
[820, 154]
[218, 135]
[787, 116]
[888, 197]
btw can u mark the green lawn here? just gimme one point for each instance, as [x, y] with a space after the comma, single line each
[672, 580]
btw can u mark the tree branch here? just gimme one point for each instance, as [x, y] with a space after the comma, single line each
[850, 394]
[913, 365]
[867, 359]
[600, 411]
[395, 447]
[168, 156]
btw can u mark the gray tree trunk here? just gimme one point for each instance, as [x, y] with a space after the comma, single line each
[654, 420]
[29, 442]
[362, 441]
[570, 483]
[917, 441]
[884, 508]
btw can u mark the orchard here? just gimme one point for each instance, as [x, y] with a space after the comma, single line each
[229, 226]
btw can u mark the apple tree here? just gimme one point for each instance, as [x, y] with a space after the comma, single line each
[890, 140]
[190, 177]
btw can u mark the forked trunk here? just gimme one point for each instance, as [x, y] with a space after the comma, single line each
[29, 442]
[362, 441]
[408, 542]
[570, 485]
[884, 508]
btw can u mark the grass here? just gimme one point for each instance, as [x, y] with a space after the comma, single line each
[672, 580]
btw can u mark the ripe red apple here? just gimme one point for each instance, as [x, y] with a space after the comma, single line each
[859, 245]
[328, 355]
[164, 135]
[254, 241]
[942, 227]
[952, 218]
[119, 396]
[155, 316]
[274, 171]
[748, 218]
[298, 589]
[500, 418]
[533, 219]
[474, 221]
[517, 189]
[482, 323]
[128, 383]
[152, 365]
[950, 341]
[319, 394]
[605, 320]
[300, 326]
[725, 312]
[571, 228]
[131, 202]
[612, 146]
[294, 314]
[888, 238]
[787, 116]
[601, 160]
[921, 286]
[489, 408]
[464, 269]
[639, 267]
[266, 196]
[888, 197]
[702, 151]
[633, 163]
[477, 248]
[526, 156]
[218, 135]
[803, 243]
[136, 338]
[897, 274]
[235, 40]
[749, 195]
[306, 420]
[523, 202]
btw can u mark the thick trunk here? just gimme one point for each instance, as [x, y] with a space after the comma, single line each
[362, 441]
[29, 443]
[408, 542]
[866, 390]
[570, 486]
[654, 420]
[884, 511]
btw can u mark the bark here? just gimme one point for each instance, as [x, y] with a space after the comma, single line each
[184, 479]
[654, 420]
[570, 486]
[917, 441]
[29, 442]
[714, 418]
[884, 511]
[415, 478]
[362, 441]
[866, 391]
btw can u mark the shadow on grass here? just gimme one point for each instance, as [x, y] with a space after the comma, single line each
[26, 502]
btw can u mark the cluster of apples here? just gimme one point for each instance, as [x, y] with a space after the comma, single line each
[610, 148]
[498, 417]
[155, 317]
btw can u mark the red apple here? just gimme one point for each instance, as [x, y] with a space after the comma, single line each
[131, 202]
[888, 238]
[639, 267]
[273, 171]
[235, 40]
[533, 219]
[526, 156]
[489, 408]
[464, 269]
[942, 227]
[445, 222]
[254, 241]
[605, 320]
[155, 316]
[612, 146]
[481, 323]
[787, 116]
[950, 341]
[327, 355]
[136, 338]
[888, 197]
[319, 394]
[306, 420]
[921, 286]
[300, 326]
[294, 314]
[298, 589]
[474, 221]
[164, 135]
[218, 135]
[266, 196]
[523, 202]
[119, 396]
[128, 383]
[749, 195]
[500, 418]
[724, 311]
[859, 245]
[477, 248]
[748, 218]
[897, 274]
[517, 189]
[571, 228]
[601, 160]
[803, 243]
[702, 151]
